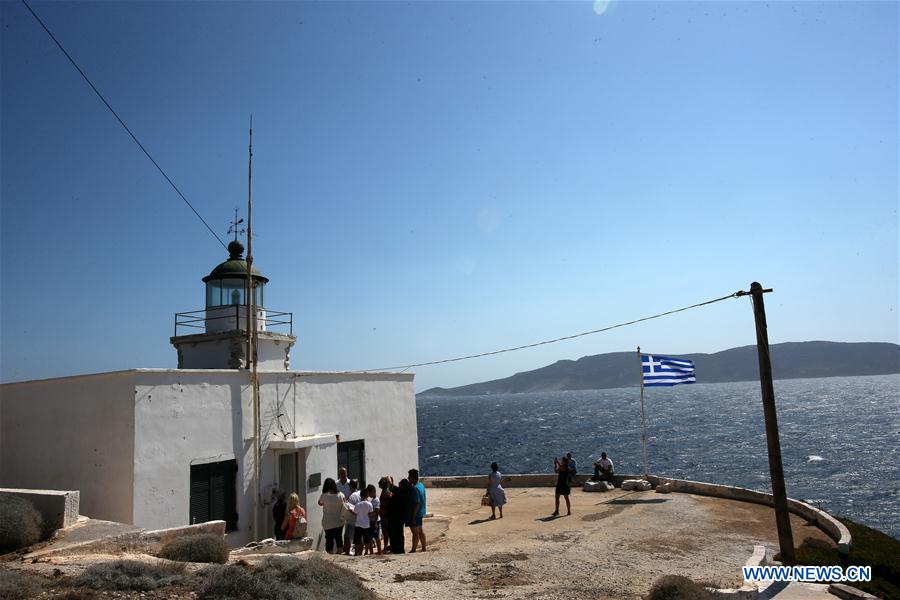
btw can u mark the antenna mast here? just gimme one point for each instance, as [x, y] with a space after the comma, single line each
[252, 336]
[250, 246]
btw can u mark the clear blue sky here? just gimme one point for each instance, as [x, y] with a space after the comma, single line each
[435, 179]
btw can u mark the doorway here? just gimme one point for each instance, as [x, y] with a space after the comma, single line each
[353, 456]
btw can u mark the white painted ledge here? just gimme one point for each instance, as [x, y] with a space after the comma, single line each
[305, 441]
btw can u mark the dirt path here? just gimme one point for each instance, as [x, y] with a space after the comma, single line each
[613, 546]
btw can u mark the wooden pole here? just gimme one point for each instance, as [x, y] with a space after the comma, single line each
[251, 337]
[643, 420]
[782, 516]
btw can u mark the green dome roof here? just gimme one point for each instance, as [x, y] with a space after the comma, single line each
[235, 267]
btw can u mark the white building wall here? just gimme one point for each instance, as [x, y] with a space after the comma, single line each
[319, 459]
[228, 351]
[378, 408]
[72, 433]
[184, 418]
[127, 440]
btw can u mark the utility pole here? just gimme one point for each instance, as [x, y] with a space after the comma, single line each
[251, 336]
[776, 470]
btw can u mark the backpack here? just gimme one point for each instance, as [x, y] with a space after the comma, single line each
[299, 528]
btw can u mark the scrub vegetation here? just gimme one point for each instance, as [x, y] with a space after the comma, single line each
[131, 575]
[202, 548]
[21, 525]
[284, 578]
[676, 587]
[275, 578]
[17, 585]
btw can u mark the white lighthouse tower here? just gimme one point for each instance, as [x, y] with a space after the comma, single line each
[216, 337]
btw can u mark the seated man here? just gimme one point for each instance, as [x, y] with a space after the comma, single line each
[573, 467]
[603, 468]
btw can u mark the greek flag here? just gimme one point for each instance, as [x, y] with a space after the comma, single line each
[665, 371]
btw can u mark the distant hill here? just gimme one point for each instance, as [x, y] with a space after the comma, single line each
[790, 360]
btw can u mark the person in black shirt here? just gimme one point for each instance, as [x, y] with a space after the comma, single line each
[278, 510]
[397, 513]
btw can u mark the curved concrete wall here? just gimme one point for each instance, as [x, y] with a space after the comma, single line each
[831, 526]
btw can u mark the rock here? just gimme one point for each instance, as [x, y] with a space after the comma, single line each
[664, 488]
[639, 485]
[597, 486]
[280, 546]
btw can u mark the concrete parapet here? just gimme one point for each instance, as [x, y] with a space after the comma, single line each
[480, 481]
[831, 526]
[512, 481]
[758, 558]
[836, 530]
[739, 594]
[57, 507]
[849, 593]
[158, 537]
[136, 540]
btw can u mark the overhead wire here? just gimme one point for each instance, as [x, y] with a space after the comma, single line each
[215, 235]
[559, 339]
[122, 123]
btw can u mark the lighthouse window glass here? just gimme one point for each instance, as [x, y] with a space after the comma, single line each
[213, 293]
[232, 292]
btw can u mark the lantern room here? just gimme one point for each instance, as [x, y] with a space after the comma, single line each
[215, 337]
[226, 285]
[226, 293]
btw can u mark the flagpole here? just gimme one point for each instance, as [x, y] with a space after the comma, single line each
[643, 419]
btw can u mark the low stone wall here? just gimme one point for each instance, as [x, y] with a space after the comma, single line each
[158, 537]
[849, 593]
[831, 526]
[512, 481]
[136, 541]
[58, 508]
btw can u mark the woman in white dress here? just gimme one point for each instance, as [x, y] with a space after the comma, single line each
[495, 491]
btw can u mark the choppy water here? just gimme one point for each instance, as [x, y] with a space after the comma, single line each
[840, 437]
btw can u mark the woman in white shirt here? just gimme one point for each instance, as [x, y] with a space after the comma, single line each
[496, 491]
[332, 503]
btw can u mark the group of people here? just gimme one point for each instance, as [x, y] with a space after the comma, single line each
[372, 521]
[359, 521]
[566, 469]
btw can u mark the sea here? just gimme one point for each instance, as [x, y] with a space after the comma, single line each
[840, 437]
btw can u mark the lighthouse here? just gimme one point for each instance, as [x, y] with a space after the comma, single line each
[215, 337]
[209, 441]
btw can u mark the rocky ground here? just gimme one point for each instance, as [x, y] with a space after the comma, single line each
[613, 546]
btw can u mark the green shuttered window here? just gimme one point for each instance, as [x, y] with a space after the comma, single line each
[213, 493]
[353, 456]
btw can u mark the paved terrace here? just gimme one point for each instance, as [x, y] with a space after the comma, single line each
[614, 546]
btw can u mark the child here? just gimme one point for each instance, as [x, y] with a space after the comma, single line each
[376, 520]
[362, 532]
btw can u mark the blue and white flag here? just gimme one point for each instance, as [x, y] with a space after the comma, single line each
[665, 371]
